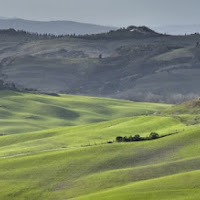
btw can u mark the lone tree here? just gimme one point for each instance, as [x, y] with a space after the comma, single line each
[119, 139]
[153, 135]
[136, 138]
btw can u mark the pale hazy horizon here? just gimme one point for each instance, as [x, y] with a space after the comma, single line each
[106, 12]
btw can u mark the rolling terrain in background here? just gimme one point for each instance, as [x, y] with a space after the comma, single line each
[133, 63]
[53, 27]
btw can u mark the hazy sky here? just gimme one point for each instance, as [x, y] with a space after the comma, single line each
[106, 12]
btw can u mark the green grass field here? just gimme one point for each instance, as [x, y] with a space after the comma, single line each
[55, 147]
[24, 112]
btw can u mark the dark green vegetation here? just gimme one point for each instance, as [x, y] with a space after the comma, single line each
[75, 162]
[136, 63]
[138, 138]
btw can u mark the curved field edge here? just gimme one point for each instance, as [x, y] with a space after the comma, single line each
[87, 135]
[65, 174]
[183, 186]
[26, 112]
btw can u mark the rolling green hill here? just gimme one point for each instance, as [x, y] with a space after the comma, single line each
[26, 112]
[52, 160]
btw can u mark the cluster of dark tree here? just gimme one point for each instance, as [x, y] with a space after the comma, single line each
[13, 32]
[35, 35]
[122, 33]
[113, 34]
[136, 138]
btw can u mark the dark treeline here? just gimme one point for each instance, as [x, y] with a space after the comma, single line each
[129, 32]
[137, 138]
[140, 32]
[35, 35]
[13, 32]
[113, 34]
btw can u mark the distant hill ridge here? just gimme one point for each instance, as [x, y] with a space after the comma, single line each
[53, 27]
[130, 31]
[138, 32]
[133, 63]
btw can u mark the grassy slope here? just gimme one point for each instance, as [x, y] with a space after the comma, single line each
[78, 172]
[167, 168]
[22, 112]
[94, 134]
[180, 187]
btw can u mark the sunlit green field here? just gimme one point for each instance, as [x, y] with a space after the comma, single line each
[25, 112]
[56, 147]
